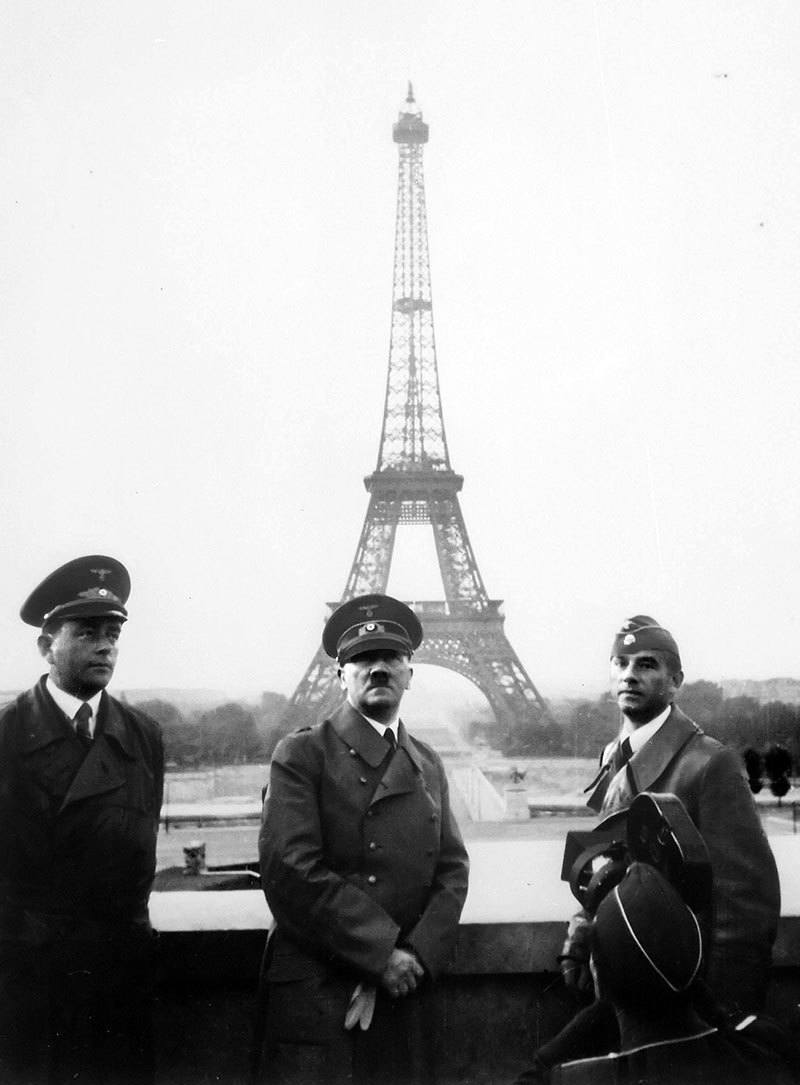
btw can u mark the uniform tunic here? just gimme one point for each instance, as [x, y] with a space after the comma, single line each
[359, 853]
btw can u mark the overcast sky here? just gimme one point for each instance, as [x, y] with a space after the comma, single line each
[198, 228]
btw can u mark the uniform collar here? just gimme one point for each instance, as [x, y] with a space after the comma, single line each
[362, 735]
[45, 722]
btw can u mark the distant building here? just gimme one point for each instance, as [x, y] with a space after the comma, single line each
[763, 690]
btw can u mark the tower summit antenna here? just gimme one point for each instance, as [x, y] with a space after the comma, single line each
[413, 483]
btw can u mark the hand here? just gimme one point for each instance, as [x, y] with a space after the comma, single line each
[576, 974]
[574, 959]
[402, 973]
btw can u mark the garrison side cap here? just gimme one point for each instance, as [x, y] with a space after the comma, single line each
[368, 622]
[95, 586]
[641, 634]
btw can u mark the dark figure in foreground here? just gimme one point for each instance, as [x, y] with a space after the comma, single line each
[647, 951]
[81, 778]
[660, 749]
[364, 871]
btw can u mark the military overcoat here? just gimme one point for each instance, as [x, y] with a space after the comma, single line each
[359, 853]
[708, 778]
[77, 858]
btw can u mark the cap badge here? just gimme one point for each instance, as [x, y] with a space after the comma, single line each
[369, 627]
[369, 610]
[97, 593]
[101, 574]
[629, 639]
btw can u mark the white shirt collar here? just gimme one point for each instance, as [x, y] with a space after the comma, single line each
[637, 736]
[69, 705]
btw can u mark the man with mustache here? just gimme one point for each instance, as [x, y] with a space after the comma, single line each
[364, 871]
[81, 780]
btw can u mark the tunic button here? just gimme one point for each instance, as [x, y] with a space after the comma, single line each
[362, 779]
[352, 753]
[372, 845]
[369, 813]
[372, 879]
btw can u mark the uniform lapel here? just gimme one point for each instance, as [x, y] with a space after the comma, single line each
[44, 722]
[358, 735]
[402, 772]
[652, 761]
[47, 743]
[599, 787]
[646, 766]
[103, 768]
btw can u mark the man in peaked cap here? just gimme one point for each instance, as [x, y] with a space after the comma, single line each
[364, 871]
[659, 749]
[81, 779]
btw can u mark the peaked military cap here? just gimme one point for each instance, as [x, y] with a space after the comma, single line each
[640, 633]
[368, 622]
[646, 939]
[95, 586]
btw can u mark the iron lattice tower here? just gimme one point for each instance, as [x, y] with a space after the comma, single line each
[414, 483]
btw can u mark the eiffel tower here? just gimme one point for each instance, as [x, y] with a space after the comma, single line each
[414, 483]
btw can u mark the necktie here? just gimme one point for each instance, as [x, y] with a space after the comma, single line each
[82, 717]
[621, 756]
[388, 734]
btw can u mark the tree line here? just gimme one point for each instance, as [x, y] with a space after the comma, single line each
[584, 727]
[228, 734]
[234, 733]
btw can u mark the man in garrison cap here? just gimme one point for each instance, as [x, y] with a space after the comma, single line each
[364, 872]
[81, 779]
[660, 749]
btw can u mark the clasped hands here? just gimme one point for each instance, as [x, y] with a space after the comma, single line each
[402, 973]
[400, 977]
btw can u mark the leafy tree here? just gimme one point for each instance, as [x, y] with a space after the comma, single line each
[736, 723]
[228, 736]
[778, 763]
[180, 737]
[591, 725]
[702, 700]
[270, 721]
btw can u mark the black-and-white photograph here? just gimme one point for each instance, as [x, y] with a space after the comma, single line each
[399, 599]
